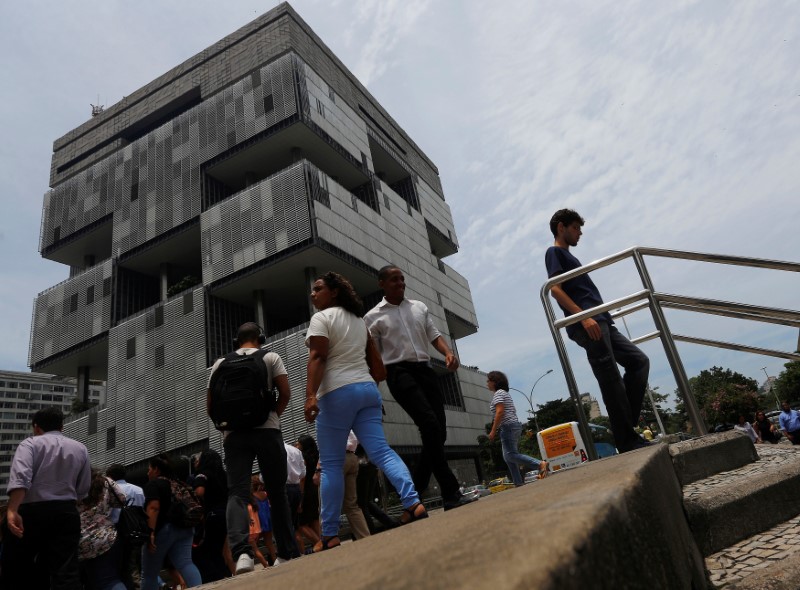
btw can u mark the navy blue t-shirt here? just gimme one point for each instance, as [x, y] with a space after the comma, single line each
[580, 289]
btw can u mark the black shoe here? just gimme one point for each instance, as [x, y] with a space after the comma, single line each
[637, 443]
[457, 502]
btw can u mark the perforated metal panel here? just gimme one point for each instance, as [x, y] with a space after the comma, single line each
[153, 184]
[155, 408]
[62, 318]
[256, 223]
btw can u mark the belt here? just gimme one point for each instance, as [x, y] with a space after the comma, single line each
[296, 485]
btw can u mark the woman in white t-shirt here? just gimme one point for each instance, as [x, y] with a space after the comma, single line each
[341, 395]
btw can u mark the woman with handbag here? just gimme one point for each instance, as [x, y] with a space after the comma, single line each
[170, 538]
[341, 395]
[99, 549]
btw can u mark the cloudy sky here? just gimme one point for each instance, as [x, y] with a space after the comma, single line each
[670, 124]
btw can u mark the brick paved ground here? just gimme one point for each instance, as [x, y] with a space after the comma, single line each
[763, 550]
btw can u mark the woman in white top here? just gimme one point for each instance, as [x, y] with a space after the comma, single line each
[342, 395]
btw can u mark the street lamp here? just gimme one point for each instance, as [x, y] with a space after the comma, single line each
[530, 397]
[769, 384]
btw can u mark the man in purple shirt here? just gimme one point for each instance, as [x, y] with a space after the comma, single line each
[49, 473]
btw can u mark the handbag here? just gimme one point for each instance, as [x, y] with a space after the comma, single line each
[132, 524]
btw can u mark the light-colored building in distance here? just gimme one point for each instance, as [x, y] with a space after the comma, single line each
[214, 195]
[21, 395]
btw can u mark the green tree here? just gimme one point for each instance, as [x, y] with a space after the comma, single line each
[787, 384]
[712, 380]
[717, 394]
[557, 411]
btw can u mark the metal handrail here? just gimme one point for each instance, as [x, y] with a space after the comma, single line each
[655, 302]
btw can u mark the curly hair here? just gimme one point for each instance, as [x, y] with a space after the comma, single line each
[565, 216]
[98, 484]
[346, 296]
[499, 379]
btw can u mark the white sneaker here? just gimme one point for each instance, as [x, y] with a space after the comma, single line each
[244, 564]
[279, 561]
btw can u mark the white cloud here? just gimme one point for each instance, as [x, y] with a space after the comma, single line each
[665, 124]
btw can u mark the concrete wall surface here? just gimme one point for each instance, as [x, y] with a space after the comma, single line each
[614, 523]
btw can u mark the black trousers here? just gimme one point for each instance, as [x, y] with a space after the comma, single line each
[414, 386]
[46, 557]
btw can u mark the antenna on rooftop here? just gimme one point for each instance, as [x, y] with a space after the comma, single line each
[97, 108]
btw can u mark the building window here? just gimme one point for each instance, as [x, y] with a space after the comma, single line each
[159, 356]
[159, 316]
[90, 294]
[269, 103]
[107, 287]
[56, 233]
[451, 392]
[331, 95]
[111, 438]
[321, 108]
[92, 426]
[188, 303]
[131, 348]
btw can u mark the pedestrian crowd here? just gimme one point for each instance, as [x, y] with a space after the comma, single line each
[71, 526]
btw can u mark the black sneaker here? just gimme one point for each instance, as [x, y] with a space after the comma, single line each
[458, 502]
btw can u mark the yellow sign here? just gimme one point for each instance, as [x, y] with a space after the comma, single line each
[558, 440]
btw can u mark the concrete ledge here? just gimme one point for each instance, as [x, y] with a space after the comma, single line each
[727, 514]
[614, 523]
[701, 457]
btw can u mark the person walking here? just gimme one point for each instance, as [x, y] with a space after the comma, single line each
[100, 548]
[604, 345]
[131, 555]
[263, 443]
[169, 538]
[505, 423]
[403, 330]
[342, 395]
[210, 483]
[49, 474]
[308, 513]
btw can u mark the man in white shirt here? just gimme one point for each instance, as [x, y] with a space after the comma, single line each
[403, 330]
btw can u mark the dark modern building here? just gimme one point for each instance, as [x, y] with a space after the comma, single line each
[213, 196]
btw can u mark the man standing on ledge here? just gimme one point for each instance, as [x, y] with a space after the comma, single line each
[402, 329]
[605, 347]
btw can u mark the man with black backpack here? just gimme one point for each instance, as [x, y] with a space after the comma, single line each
[242, 404]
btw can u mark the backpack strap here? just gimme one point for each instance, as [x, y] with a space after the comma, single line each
[261, 353]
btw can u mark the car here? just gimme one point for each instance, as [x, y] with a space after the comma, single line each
[480, 489]
[532, 476]
[500, 485]
[603, 441]
[470, 493]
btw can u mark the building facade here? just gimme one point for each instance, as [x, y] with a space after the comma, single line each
[21, 395]
[214, 195]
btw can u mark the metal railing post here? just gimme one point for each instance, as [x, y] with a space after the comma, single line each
[670, 349]
[572, 385]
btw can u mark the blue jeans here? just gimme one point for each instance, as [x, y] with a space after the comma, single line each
[622, 395]
[355, 407]
[509, 438]
[175, 542]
